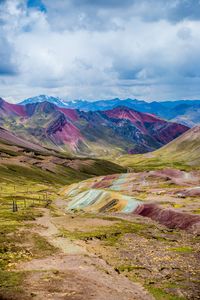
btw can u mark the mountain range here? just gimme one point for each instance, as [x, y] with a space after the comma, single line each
[186, 112]
[94, 133]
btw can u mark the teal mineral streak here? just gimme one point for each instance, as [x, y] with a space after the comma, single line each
[93, 196]
[116, 185]
[85, 199]
[73, 192]
[131, 205]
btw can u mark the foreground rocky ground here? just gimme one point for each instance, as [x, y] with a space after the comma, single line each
[104, 257]
[48, 253]
[72, 271]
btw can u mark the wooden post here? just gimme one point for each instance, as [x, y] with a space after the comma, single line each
[14, 206]
[130, 170]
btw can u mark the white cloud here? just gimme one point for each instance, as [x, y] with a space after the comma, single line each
[66, 52]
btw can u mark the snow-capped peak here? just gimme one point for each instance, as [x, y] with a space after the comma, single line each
[42, 98]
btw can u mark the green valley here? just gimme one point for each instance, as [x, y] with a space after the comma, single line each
[182, 153]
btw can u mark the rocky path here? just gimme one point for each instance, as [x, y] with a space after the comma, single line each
[72, 273]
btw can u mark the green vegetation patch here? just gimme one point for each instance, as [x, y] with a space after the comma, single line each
[41, 247]
[196, 211]
[19, 174]
[182, 249]
[140, 163]
[129, 268]
[10, 284]
[109, 234]
[160, 294]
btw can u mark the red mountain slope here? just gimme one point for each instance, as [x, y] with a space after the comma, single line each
[12, 109]
[120, 130]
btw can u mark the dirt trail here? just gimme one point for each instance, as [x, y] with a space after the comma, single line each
[50, 232]
[74, 274]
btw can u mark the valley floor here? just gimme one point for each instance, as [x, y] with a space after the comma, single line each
[71, 271]
[54, 255]
[48, 253]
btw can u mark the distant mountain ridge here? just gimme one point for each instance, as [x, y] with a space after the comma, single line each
[186, 112]
[43, 98]
[93, 133]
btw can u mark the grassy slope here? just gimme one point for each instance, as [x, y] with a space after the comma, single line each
[12, 170]
[24, 178]
[182, 153]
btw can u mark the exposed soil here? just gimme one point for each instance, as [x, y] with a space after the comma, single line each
[164, 260]
[73, 272]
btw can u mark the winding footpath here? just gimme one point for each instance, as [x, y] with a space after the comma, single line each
[72, 273]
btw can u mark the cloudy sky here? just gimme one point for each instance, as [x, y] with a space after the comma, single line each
[100, 49]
